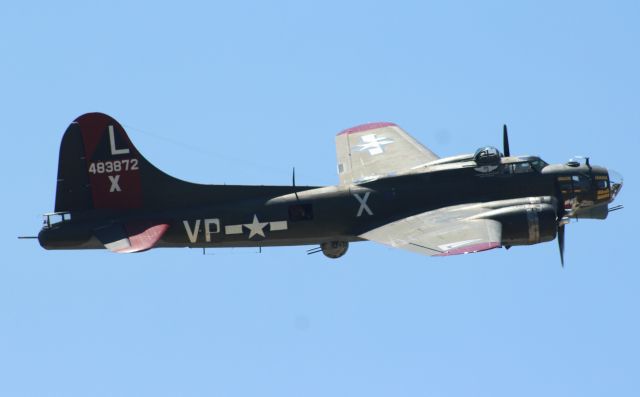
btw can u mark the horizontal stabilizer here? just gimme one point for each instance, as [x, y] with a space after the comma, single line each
[131, 236]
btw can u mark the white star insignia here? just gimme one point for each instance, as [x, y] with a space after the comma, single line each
[255, 227]
[373, 144]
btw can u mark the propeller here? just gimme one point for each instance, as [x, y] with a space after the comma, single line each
[561, 243]
[561, 224]
[561, 210]
[505, 140]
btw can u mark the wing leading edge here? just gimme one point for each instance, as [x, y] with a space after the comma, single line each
[473, 227]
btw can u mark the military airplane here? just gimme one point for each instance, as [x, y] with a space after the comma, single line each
[391, 190]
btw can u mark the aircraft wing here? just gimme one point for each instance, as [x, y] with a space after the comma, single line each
[446, 231]
[130, 237]
[374, 150]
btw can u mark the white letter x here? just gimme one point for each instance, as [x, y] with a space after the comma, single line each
[115, 187]
[363, 204]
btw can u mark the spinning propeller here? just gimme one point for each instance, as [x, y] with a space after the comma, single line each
[561, 210]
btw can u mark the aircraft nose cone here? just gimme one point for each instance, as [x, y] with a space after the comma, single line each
[615, 179]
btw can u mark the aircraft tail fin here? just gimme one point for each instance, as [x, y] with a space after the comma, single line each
[98, 168]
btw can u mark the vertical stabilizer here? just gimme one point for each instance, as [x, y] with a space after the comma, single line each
[98, 168]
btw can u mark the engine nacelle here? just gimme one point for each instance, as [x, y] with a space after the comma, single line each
[533, 224]
[334, 249]
[526, 224]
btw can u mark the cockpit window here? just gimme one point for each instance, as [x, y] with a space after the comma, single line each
[524, 167]
[518, 168]
[521, 168]
[538, 164]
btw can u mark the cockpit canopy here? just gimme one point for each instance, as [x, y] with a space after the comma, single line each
[531, 163]
[487, 155]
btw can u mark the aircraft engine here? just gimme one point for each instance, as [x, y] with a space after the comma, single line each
[529, 224]
[334, 249]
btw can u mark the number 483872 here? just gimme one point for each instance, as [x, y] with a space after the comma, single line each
[107, 167]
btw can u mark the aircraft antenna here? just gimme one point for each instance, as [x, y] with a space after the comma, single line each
[293, 182]
[505, 141]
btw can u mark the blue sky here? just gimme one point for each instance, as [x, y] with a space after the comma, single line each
[240, 92]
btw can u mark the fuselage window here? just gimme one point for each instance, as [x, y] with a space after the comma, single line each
[52, 219]
[566, 186]
[580, 183]
[300, 212]
[574, 184]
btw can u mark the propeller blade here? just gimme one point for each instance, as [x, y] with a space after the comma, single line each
[505, 140]
[561, 243]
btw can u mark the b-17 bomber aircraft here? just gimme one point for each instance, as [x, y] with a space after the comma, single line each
[391, 190]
